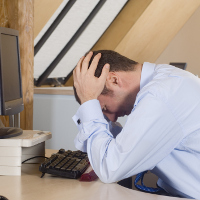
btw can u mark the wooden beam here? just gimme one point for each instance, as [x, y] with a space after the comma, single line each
[18, 14]
[54, 90]
[26, 36]
[155, 28]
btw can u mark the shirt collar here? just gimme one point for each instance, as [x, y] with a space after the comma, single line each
[147, 73]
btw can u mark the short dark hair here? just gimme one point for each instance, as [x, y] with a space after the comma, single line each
[117, 63]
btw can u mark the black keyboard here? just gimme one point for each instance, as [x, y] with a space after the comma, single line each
[69, 164]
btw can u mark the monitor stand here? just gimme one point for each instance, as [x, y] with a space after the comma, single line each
[8, 132]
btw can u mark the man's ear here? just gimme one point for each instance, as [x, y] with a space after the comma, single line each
[113, 80]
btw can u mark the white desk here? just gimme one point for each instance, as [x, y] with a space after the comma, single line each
[29, 186]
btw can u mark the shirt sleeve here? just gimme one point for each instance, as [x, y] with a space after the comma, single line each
[150, 134]
[114, 127]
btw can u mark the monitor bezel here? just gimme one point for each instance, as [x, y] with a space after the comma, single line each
[180, 65]
[14, 106]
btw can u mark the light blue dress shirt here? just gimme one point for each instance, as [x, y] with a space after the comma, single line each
[162, 133]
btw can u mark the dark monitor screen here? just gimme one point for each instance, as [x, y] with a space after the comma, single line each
[10, 74]
[10, 71]
[179, 65]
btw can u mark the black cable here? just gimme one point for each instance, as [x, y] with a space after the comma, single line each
[33, 158]
[42, 174]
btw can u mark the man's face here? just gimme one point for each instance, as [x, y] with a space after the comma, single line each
[116, 105]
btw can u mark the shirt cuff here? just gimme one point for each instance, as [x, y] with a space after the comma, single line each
[88, 111]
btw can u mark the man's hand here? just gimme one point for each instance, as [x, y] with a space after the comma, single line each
[87, 85]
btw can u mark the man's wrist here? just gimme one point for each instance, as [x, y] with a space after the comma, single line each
[87, 99]
[90, 110]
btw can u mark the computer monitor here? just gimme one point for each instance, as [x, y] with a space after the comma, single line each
[179, 65]
[11, 100]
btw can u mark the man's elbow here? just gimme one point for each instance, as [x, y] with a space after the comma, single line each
[107, 179]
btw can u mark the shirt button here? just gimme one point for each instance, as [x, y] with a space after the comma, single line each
[79, 121]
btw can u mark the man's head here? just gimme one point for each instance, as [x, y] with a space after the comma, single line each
[117, 63]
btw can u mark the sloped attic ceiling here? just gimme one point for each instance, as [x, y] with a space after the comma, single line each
[72, 31]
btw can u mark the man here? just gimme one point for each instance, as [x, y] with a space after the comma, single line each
[162, 131]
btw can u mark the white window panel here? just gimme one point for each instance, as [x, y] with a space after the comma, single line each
[62, 34]
[84, 43]
[51, 20]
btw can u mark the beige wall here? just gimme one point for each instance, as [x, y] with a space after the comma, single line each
[185, 47]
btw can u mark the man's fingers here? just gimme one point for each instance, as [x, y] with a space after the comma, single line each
[104, 72]
[74, 75]
[85, 62]
[77, 69]
[94, 64]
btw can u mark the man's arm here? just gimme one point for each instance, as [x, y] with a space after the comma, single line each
[114, 127]
[150, 134]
